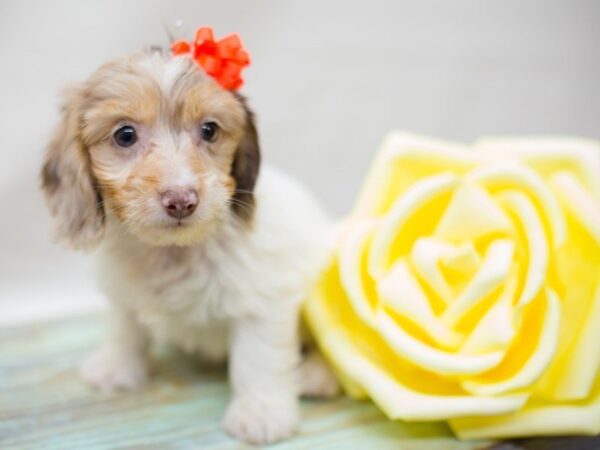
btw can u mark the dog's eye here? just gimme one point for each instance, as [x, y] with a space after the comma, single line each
[125, 136]
[209, 131]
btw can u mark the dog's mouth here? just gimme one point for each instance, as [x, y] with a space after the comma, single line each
[173, 231]
[183, 224]
[177, 224]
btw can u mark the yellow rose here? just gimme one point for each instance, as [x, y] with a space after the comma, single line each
[465, 286]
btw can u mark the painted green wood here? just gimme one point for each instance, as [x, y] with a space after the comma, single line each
[44, 405]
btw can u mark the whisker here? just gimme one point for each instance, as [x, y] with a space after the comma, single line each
[242, 191]
[245, 205]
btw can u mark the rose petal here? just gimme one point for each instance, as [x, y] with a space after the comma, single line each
[536, 363]
[400, 291]
[425, 256]
[580, 368]
[430, 358]
[404, 160]
[400, 402]
[578, 202]
[414, 199]
[537, 244]
[459, 223]
[496, 329]
[577, 362]
[361, 375]
[397, 400]
[463, 259]
[520, 177]
[547, 156]
[536, 418]
[493, 271]
[351, 273]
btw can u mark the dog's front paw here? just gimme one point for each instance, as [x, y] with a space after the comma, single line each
[262, 420]
[110, 368]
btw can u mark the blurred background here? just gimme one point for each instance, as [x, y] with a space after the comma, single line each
[328, 80]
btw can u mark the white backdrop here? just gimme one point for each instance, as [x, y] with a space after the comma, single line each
[328, 79]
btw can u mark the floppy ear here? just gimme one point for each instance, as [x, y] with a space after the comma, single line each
[68, 184]
[245, 167]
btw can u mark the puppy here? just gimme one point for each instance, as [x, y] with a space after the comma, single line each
[157, 166]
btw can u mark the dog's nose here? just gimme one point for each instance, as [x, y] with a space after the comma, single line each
[179, 203]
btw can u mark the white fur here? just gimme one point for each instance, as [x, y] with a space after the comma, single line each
[238, 294]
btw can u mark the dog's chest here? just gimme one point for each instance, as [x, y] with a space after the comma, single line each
[184, 285]
[181, 297]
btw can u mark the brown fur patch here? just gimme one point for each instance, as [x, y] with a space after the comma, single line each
[114, 96]
[245, 166]
[207, 100]
[68, 185]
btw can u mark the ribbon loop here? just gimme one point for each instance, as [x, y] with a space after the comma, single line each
[223, 60]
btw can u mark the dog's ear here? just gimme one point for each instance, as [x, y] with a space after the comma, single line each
[67, 182]
[245, 167]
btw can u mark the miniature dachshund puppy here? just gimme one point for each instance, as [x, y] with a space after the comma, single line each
[156, 167]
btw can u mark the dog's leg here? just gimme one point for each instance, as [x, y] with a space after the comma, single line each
[317, 380]
[316, 377]
[121, 362]
[263, 373]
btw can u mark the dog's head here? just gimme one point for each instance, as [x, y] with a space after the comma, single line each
[156, 143]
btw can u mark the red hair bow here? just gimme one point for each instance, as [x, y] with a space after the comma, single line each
[223, 60]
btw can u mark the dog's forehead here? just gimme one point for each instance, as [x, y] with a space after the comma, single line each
[147, 88]
[142, 74]
[168, 72]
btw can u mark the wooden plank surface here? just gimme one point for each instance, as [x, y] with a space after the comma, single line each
[44, 405]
